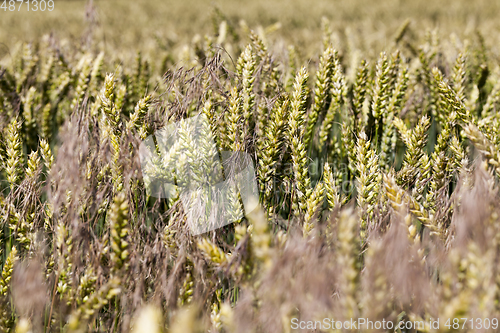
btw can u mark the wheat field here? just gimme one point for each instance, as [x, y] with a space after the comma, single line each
[368, 133]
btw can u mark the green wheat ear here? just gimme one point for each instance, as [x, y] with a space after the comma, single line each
[401, 32]
[47, 122]
[33, 166]
[64, 245]
[338, 92]
[313, 208]
[389, 139]
[260, 237]
[46, 70]
[272, 147]
[140, 111]
[292, 65]
[232, 137]
[459, 161]
[119, 230]
[494, 97]
[399, 199]
[212, 252]
[459, 77]
[29, 101]
[480, 141]
[432, 85]
[359, 90]
[112, 128]
[8, 268]
[120, 98]
[15, 158]
[107, 98]
[29, 61]
[450, 98]
[247, 93]
[82, 81]
[382, 85]
[187, 288]
[322, 92]
[331, 188]
[415, 141]
[47, 156]
[86, 286]
[368, 180]
[296, 131]
[95, 302]
[6, 318]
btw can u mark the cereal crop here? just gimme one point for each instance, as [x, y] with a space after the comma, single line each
[255, 176]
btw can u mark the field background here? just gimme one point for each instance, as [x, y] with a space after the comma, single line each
[123, 26]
